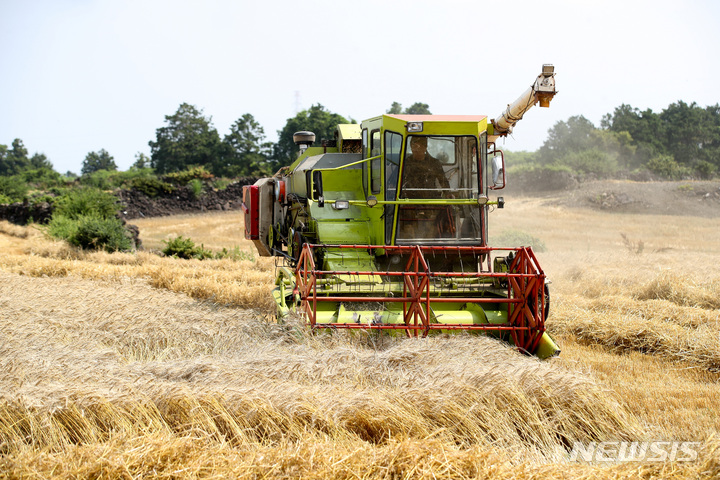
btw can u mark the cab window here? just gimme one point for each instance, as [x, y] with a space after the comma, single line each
[376, 164]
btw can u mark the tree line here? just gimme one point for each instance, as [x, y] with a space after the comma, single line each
[680, 142]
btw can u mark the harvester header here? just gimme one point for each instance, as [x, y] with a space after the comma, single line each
[384, 228]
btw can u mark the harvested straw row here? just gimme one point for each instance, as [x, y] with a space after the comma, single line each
[15, 230]
[243, 284]
[701, 290]
[166, 456]
[70, 379]
[655, 327]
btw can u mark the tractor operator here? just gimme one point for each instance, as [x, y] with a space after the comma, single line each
[423, 177]
[423, 174]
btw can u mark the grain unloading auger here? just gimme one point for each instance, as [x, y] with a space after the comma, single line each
[385, 228]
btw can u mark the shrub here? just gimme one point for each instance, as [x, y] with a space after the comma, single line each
[666, 166]
[112, 179]
[184, 177]
[235, 254]
[62, 227]
[196, 187]
[79, 202]
[222, 183]
[705, 170]
[101, 233]
[91, 232]
[42, 198]
[151, 186]
[86, 218]
[128, 178]
[180, 247]
[13, 189]
[44, 178]
[100, 179]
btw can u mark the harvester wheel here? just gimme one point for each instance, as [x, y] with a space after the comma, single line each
[297, 245]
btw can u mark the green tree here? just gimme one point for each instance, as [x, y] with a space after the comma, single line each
[141, 161]
[246, 151]
[416, 108]
[4, 164]
[40, 162]
[316, 119]
[187, 139]
[691, 133]
[686, 133]
[577, 144]
[100, 160]
[643, 127]
[14, 160]
[565, 138]
[395, 109]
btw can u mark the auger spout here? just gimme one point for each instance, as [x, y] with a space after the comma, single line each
[543, 91]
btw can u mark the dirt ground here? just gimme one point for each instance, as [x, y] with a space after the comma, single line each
[689, 198]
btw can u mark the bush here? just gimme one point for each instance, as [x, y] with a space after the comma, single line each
[62, 227]
[235, 254]
[184, 177]
[100, 179]
[40, 197]
[112, 179]
[666, 166]
[180, 247]
[196, 187]
[91, 232]
[705, 170]
[101, 233]
[86, 218]
[44, 178]
[80, 202]
[151, 186]
[222, 183]
[13, 189]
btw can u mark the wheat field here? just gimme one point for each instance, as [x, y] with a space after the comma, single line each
[131, 365]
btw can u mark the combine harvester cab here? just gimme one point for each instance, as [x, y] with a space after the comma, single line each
[385, 228]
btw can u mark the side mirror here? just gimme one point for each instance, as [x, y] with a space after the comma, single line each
[498, 171]
[318, 188]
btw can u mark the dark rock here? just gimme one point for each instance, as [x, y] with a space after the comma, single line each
[24, 213]
[136, 204]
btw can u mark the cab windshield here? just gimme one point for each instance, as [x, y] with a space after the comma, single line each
[439, 167]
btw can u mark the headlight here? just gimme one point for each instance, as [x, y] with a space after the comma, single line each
[341, 205]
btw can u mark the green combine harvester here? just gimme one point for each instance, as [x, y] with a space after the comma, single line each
[385, 228]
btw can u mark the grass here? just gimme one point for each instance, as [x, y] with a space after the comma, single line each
[131, 365]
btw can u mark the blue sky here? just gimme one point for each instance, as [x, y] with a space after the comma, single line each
[81, 75]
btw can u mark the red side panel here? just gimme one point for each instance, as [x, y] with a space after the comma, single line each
[251, 208]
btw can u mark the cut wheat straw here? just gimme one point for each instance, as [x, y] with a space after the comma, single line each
[131, 365]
